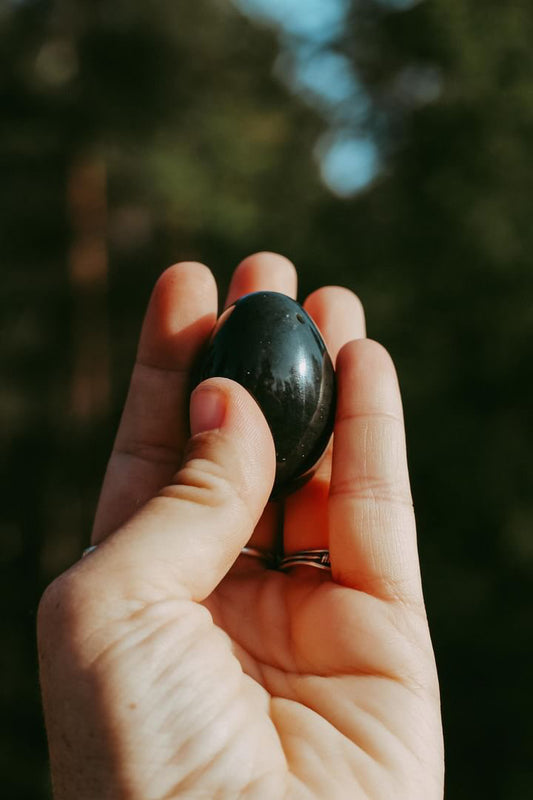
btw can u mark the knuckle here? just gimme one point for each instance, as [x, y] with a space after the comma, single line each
[375, 489]
[208, 479]
[48, 605]
[68, 599]
[54, 606]
[212, 474]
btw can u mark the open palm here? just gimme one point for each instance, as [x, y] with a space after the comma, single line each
[173, 667]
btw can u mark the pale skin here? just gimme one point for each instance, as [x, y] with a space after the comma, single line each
[173, 667]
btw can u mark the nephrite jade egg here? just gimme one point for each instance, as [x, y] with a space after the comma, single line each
[271, 346]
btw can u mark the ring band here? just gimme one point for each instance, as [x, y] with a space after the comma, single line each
[306, 558]
[263, 555]
[268, 558]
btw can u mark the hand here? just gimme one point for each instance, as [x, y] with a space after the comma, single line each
[172, 666]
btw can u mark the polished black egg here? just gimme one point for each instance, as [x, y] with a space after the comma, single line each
[271, 346]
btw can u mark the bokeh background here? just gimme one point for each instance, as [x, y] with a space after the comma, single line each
[386, 146]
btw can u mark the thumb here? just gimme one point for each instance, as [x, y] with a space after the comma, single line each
[192, 532]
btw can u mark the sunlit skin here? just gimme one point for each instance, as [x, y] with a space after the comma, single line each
[172, 666]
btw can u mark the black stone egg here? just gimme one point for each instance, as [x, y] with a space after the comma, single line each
[271, 346]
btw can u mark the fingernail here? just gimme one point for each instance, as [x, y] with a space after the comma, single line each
[208, 409]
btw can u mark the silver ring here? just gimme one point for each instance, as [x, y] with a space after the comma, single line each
[263, 555]
[306, 558]
[254, 552]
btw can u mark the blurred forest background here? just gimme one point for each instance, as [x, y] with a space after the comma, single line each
[386, 146]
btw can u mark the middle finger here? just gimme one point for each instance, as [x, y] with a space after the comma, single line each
[274, 273]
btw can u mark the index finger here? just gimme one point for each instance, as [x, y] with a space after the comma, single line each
[153, 428]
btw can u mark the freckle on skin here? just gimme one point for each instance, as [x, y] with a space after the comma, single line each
[132, 705]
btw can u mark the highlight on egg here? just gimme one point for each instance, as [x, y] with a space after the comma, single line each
[270, 345]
